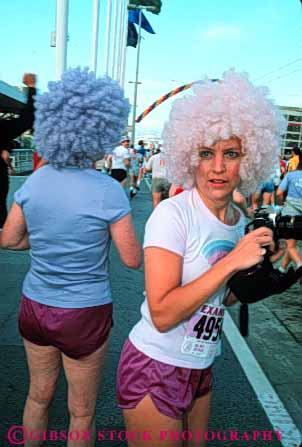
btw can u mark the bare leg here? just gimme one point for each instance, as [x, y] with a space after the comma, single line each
[132, 180]
[140, 176]
[135, 179]
[44, 364]
[255, 200]
[293, 251]
[83, 377]
[133, 187]
[123, 183]
[145, 417]
[285, 260]
[267, 198]
[197, 420]
[292, 254]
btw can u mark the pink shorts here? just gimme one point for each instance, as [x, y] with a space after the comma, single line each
[171, 388]
[75, 332]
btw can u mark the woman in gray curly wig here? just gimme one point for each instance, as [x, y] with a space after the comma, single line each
[67, 213]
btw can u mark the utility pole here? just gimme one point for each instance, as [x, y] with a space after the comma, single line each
[108, 40]
[141, 8]
[61, 37]
[95, 34]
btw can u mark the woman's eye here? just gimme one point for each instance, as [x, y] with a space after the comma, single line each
[232, 154]
[205, 154]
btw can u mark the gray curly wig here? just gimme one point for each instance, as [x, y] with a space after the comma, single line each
[80, 119]
[220, 110]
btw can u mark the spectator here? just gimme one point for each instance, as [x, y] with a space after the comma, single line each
[9, 130]
[293, 162]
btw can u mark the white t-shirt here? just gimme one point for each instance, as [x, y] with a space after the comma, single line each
[157, 164]
[136, 161]
[119, 154]
[184, 225]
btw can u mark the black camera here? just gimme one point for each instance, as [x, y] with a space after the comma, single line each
[283, 227]
[263, 280]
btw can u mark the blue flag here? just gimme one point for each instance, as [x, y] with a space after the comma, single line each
[132, 36]
[133, 17]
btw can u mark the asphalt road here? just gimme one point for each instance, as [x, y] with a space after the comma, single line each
[236, 406]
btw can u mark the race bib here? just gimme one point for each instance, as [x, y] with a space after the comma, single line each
[203, 333]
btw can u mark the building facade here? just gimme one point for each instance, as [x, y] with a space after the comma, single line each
[293, 135]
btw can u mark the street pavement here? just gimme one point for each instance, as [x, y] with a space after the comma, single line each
[275, 339]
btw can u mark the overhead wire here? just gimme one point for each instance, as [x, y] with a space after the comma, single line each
[285, 75]
[279, 68]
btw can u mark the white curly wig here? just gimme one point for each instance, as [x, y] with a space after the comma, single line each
[80, 119]
[220, 110]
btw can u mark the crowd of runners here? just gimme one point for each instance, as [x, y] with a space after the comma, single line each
[217, 164]
[136, 163]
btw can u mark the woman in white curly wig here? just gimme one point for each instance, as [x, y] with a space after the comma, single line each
[67, 213]
[225, 135]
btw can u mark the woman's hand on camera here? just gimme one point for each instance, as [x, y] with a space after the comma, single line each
[252, 248]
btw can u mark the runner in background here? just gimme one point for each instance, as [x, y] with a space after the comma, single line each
[119, 162]
[140, 149]
[136, 163]
[160, 184]
[291, 185]
[264, 195]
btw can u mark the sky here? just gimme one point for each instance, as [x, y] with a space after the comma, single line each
[194, 39]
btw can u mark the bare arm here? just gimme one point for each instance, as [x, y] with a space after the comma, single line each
[280, 196]
[126, 242]
[5, 155]
[14, 235]
[170, 302]
[127, 162]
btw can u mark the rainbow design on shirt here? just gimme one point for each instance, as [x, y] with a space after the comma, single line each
[215, 250]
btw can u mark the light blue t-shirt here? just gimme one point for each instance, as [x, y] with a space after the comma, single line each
[292, 183]
[68, 212]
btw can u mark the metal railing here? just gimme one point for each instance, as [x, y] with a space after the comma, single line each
[22, 160]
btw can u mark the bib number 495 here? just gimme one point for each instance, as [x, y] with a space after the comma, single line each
[208, 328]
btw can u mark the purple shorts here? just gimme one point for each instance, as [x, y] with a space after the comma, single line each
[75, 332]
[171, 388]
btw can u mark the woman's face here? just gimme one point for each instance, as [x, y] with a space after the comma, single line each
[218, 172]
